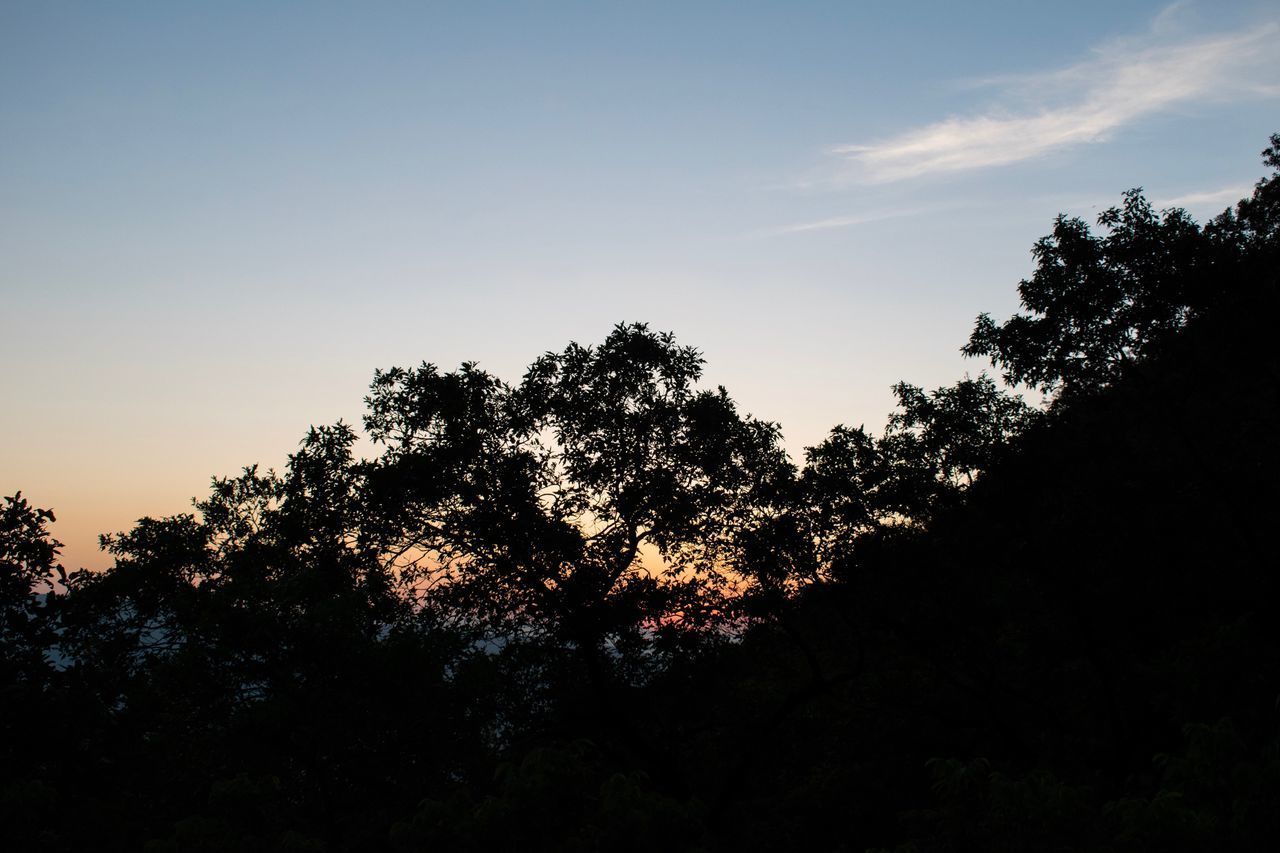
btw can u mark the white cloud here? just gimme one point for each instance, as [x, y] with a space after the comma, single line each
[840, 222]
[1120, 83]
[1211, 199]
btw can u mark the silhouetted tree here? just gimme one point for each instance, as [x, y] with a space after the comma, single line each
[930, 451]
[29, 707]
[1097, 303]
[529, 508]
[29, 571]
[1250, 231]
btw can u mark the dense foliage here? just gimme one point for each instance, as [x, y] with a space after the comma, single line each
[600, 609]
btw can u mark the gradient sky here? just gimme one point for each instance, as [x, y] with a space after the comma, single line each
[216, 219]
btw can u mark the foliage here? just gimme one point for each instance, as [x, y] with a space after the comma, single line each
[1097, 304]
[600, 609]
[29, 571]
[533, 508]
[932, 449]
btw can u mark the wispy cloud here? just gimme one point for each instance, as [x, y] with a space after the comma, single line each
[1122, 81]
[1213, 199]
[841, 222]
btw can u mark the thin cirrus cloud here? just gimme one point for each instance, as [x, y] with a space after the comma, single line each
[1122, 82]
[841, 222]
[1224, 197]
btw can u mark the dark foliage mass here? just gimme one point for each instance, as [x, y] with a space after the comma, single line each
[600, 609]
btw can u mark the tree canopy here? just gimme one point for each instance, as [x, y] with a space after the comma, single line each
[1097, 303]
[533, 504]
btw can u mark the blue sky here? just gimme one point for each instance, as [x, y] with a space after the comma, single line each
[217, 219]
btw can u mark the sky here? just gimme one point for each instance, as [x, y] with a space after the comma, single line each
[217, 219]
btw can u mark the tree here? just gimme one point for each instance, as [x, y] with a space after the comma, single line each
[257, 645]
[30, 706]
[29, 573]
[1096, 304]
[1249, 233]
[932, 448]
[262, 553]
[936, 443]
[540, 508]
